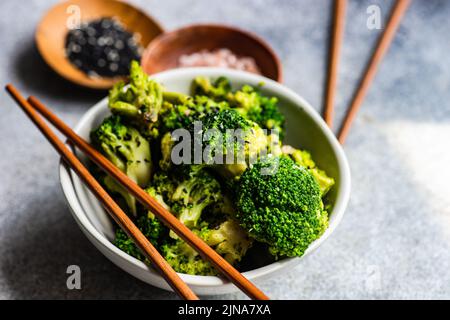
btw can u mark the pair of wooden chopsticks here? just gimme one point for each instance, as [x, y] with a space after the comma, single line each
[34, 109]
[383, 45]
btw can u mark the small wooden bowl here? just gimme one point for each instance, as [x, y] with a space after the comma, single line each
[164, 51]
[52, 30]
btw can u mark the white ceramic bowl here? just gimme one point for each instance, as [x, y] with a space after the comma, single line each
[304, 129]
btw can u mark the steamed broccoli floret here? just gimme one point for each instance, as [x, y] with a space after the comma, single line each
[224, 123]
[180, 111]
[197, 189]
[116, 188]
[268, 116]
[162, 188]
[230, 141]
[140, 102]
[182, 258]
[229, 240]
[325, 182]
[152, 229]
[174, 116]
[125, 147]
[124, 243]
[279, 203]
[153, 191]
[225, 120]
[167, 143]
[248, 101]
[225, 205]
[303, 158]
[188, 191]
[217, 90]
[127, 150]
[260, 109]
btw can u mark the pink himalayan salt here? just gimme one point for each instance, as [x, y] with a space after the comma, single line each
[223, 58]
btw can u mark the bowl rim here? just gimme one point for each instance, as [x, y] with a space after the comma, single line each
[158, 39]
[101, 83]
[341, 202]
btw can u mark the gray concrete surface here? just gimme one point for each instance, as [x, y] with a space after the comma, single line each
[394, 241]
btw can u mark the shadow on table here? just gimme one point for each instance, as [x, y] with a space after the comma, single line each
[41, 247]
[36, 75]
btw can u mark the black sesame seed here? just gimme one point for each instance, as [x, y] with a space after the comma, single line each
[102, 48]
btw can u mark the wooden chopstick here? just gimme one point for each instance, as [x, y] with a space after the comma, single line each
[396, 17]
[150, 252]
[335, 49]
[149, 202]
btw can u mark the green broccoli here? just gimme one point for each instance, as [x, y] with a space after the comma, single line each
[180, 111]
[224, 207]
[182, 258]
[196, 190]
[151, 227]
[280, 203]
[303, 158]
[128, 151]
[188, 191]
[219, 90]
[228, 239]
[116, 188]
[224, 123]
[140, 102]
[248, 101]
[230, 141]
[124, 243]
[167, 143]
[163, 186]
[260, 109]
[158, 197]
